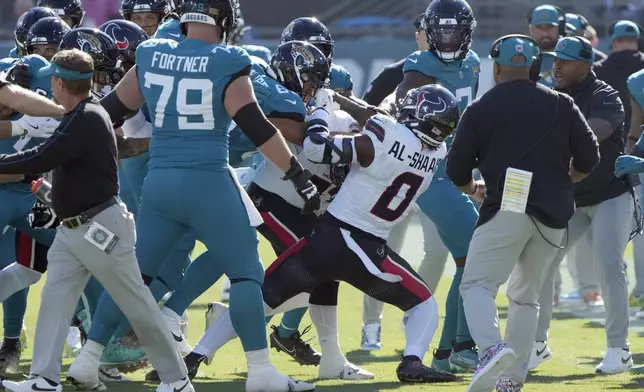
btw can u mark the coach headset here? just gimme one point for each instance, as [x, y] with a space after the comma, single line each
[561, 21]
[535, 68]
[640, 41]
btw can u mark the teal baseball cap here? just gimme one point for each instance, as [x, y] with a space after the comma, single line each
[504, 50]
[624, 29]
[545, 14]
[573, 48]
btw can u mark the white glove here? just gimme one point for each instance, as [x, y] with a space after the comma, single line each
[324, 99]
[42, 127]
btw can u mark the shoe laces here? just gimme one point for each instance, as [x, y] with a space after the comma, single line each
[299, 343]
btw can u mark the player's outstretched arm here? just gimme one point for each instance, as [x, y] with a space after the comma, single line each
[28, 102]
[291, 130]
[361, 113]
[412, 80]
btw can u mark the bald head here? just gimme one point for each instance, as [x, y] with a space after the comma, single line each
[506, 73]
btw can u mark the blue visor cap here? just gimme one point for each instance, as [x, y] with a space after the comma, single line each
[513, 46]
[63, 73]
[573, 48]
[625, 29]
[545, 14]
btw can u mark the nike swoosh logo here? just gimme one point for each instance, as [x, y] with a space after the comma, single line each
[183, 387]
[291, 101]
[624, 360]
[174, 35]
[178, 339]
[33, 126]
[35, 387]
[413, 60]
[290, 352]
[541, 352]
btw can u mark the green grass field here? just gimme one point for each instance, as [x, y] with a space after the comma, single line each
[577, 345]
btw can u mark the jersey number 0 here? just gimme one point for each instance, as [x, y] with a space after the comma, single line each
[382, 209]
[185, 110]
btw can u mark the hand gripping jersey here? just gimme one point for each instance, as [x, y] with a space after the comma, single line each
[459, 77]
[635, 84]
[137, 126]
[258, 51]
[375, 198]
[340, 79]
[183, 85]
[170, 29]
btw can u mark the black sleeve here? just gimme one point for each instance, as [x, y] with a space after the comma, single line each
[606, 105]
[583, 143]
[384, 84]
[463, 156]
[64, 145]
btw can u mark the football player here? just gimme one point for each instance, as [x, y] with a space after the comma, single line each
[349, 241]
[147, 14]
[23, 25]
[70, 11]
[45, 35]
[451, 63]
[188, 168]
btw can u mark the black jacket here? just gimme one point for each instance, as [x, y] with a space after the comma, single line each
[596, 99]
[615, 70]
[526, 126]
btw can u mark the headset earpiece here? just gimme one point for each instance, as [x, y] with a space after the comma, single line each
[535, 68]
[586, 51]
[562, 21]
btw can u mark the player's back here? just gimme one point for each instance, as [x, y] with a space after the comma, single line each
[183, 85]
[373, 199]
[635, 84]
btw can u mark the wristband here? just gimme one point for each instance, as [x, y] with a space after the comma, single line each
[476, 188]
[16, 129]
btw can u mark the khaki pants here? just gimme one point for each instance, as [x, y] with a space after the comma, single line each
[509, 246]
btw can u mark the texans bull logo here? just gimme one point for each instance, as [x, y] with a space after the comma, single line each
[426, 107]
[114, 31]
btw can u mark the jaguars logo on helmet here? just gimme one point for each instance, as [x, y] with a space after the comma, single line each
[302, 55]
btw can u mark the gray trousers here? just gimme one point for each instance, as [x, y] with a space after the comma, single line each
[509, 246]
[580, 266]
[431, 267]
[638, 252]
[72, 260]
[610, 224]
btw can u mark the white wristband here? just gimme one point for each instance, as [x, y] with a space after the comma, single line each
[16, 129]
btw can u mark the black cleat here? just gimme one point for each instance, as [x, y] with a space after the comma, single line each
[10, 355]
[411, 369]
[295, 347]
[192, 360]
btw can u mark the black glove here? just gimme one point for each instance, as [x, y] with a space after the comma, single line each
[301, 179]
[19, 74]
[42, 217]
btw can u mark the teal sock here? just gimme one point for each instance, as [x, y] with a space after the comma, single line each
[14, 309]
[291, 322]
[463, 330]
[247, 314]
[450, 324]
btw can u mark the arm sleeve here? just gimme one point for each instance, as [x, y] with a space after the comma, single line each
[583, 143]
[384, 84]
[64, 145]
[606, 105]
[462, 156]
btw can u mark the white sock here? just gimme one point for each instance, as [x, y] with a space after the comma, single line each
[258, 359]
[325, 319]
[420, 327]
[93, 349]
[16, 277]
[220, 332]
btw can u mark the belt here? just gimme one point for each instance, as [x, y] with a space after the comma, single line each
[85, 217]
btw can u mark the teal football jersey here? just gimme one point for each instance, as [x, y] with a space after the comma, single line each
[183, 85]
[170, 29]
[635, 85]
[6, 62]
[340, 79]
[459, 77]
[13, 53]
[258, 51]
[275, 101]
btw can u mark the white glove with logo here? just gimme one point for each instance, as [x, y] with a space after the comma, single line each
[324, 99]
[42, 127]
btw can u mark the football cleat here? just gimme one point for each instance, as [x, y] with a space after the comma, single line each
[295, 347]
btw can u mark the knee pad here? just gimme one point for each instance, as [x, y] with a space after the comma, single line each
[326, 294]
[255, 274]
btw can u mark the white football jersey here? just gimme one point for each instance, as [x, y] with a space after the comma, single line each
[375, 198]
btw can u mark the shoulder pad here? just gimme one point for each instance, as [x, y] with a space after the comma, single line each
[340, 78]
[472, 58]
[156, 42]
[378, 125]
[35, 63]
[424, 62]
[636, 81]
[171, 29]
[6, 62]
[258, 63]
[258, 51]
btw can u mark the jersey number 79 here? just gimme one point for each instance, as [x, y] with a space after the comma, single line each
[185, 110]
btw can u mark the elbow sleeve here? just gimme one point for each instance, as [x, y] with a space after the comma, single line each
[254, 124]
[114, 107]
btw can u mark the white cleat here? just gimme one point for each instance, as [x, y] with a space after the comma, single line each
[83, 373]
[348, 372]
[225, 290]
[540, 354]
[183, 385]
[268, 379]
[173, 321]
[616, 360]
[73, 342]
[214, 311]
[111, 375]
[30, 385]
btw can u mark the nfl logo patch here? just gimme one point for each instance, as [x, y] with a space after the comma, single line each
[562, 45]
